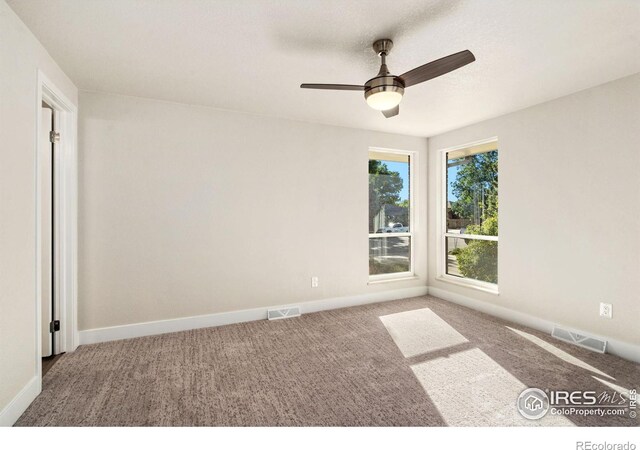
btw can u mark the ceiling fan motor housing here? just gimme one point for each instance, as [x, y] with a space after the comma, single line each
[385, 83]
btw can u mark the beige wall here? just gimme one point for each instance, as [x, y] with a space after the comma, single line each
[569, 208]
[20, 57]
[189, 210]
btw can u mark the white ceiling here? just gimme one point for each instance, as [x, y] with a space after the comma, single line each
[251, 55]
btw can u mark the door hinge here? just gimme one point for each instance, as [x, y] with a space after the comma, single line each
[54, 326]
[54, 137]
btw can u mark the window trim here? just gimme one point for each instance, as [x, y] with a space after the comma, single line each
[413, 218]
[441, 216]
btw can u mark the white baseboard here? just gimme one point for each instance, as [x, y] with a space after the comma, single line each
[615, 347]
[20, 402]
[213, 320]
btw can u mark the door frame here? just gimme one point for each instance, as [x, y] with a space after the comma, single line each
[65, 217]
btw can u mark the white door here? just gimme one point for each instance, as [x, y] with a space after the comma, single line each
[46, 213]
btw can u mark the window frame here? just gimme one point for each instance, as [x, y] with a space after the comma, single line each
[413, 181]
[443, 234]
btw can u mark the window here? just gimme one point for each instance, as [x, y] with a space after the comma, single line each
[470, 225]
[390, 214]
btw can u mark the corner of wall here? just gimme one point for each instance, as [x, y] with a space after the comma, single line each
[615, 347]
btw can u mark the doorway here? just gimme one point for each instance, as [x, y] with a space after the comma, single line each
[50, 311]
[56, 217]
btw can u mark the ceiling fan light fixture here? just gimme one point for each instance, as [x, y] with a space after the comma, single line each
[384, 100]
[384, 97]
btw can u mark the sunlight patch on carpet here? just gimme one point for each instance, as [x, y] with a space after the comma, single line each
[420, 331]
[619, 389]
[470, 389]
[566, 357]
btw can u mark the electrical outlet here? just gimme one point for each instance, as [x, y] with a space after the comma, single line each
[314, 282]
[606, 310]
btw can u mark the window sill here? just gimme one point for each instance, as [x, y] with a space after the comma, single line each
[408, 276]
[473, 284]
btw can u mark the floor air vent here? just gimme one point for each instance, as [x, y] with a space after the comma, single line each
[283, 313]
[592, 343]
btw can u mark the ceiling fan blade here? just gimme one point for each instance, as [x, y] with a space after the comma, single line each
[335, 87]
[436, 68]
[392, 112]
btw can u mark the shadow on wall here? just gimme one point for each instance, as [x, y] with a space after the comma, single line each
[337, 37]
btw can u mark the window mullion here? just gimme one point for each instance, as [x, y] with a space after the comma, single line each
[478, 237]
[387, 235]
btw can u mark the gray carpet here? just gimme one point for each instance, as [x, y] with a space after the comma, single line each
[343, 367]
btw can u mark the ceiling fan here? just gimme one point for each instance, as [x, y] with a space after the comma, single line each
[384, 91]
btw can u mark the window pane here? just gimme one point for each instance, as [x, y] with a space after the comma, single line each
[389, 255]
[472, 258]
[389, 194]
[472, 193]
